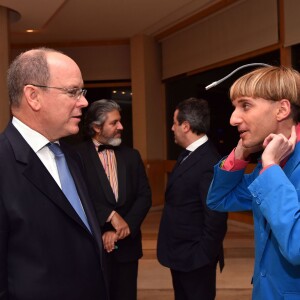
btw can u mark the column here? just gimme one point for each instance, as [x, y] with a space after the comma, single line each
[148, 110]
[148, 103]
[4, 58]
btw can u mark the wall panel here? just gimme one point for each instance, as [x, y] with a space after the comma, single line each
[107, 62]
[292, 22]
[246, 26]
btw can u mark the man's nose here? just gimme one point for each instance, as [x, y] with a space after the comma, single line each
[83, 102]
[235, 119]
[120, 126]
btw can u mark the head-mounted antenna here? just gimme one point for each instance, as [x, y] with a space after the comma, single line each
[237, 69]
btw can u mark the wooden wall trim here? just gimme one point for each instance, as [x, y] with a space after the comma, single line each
[285, 52]
[107, 84]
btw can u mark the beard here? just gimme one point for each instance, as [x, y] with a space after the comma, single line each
[114, 142]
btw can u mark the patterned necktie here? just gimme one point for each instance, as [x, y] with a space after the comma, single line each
[109, 163]
[67, 183]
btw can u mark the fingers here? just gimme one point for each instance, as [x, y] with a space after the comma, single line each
[243, 153]
[109, 239]
[268, 139]
[278, 147]
[120, 225]
[123, 232]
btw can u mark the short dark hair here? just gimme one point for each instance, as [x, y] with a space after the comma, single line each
[97, 114]
[196, 112]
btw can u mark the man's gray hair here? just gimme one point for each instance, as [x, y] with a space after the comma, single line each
[97, 114]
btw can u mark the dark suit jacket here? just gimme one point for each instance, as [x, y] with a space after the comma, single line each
[134, 194]
[191, 235]
[46, 252]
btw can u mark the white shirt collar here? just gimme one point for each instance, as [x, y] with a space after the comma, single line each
[34, 139]
[96, 143]
[193, 146]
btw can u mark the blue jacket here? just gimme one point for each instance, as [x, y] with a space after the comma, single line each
[273, 196]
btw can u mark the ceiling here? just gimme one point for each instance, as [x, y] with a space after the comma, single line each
[82, 21]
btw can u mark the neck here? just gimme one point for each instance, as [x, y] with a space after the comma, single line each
[285, 127]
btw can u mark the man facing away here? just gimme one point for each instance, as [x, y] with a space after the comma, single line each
[266, 113]
[119, 188]
[50, 243]
[190, 235]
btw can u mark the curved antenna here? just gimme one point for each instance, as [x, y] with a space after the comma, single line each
[230, 74]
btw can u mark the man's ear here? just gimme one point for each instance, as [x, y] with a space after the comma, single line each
[284, 110]
[32, 96]
[186, 126]
[96, 128]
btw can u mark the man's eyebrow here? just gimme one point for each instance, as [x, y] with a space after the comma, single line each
[115, 120]
[241, 99]
[235, 102]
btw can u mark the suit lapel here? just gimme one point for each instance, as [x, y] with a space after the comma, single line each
[121, 167]
[86, 203]
[293, 161]
[80, 186]
[102, 177]
[47, 185]
[38, 175]
[186, 165]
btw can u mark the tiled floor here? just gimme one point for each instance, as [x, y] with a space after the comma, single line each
[234, 283]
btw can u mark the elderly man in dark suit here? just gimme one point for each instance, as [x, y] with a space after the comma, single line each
[190, 235]
[121, 194]
[50, 242]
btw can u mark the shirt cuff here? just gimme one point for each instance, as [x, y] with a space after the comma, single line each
[266, 167]
[233, 164]
[110, 216]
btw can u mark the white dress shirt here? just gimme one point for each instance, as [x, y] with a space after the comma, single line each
[38, 144]
[193, 146]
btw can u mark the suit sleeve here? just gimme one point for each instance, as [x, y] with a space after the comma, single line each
[143, 200]
[3, 252]
[229, 190]
[103, 212]
[277, 197]
[214, 224]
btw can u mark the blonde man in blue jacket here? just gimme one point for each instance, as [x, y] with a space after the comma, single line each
[266, 113]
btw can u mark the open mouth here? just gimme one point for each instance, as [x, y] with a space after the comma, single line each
[242, 133]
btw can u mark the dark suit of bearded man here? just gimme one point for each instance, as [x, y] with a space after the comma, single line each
[121, 204]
